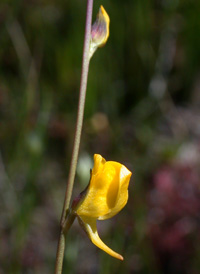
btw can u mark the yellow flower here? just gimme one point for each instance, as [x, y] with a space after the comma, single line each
[105, 196]
[99, 31]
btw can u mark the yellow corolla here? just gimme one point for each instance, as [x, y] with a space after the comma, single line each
[105, 196]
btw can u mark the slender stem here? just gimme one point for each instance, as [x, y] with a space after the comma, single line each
[61, 243]
[60, 253]
[77, 137]
[81, 105]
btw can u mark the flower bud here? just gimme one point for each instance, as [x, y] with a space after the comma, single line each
[100, 31]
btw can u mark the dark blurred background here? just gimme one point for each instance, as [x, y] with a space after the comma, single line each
[142, 109]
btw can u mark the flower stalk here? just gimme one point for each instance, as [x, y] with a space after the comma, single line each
[77, 138]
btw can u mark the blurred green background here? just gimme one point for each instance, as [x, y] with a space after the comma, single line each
[142, 109]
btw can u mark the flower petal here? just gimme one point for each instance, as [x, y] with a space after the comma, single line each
[104, 180]
[107, 192]
[99, 161]
[89, 225]
[122, 198]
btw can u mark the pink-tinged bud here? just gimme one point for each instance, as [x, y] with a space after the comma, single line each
[100, 31]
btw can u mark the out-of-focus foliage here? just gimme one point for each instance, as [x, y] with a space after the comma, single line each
[142, 109]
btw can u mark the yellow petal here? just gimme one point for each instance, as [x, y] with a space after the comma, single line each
[107, 193]
[96, 202]
[89, 225]
[99, 161]
[122, 198]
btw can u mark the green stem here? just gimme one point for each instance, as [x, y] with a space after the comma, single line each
[60, 253]
[77, 137]
[81, 105]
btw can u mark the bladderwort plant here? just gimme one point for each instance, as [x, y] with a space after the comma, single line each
[107, 191]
